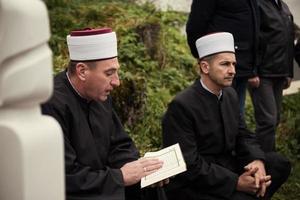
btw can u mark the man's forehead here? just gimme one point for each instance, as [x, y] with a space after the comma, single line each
[225, 56]
[108, 63]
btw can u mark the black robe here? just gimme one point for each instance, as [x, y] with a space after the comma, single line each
[96, 146]
[213, 145]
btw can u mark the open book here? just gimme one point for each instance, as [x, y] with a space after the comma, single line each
[173, 164]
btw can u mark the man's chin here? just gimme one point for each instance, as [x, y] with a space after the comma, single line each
[103, 98]
[228, 84]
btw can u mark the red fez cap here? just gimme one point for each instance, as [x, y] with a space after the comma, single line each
[90, 31]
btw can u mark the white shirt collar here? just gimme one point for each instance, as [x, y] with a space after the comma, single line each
[73, 85]
[206, 88]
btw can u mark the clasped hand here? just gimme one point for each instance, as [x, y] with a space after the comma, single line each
[254, 180]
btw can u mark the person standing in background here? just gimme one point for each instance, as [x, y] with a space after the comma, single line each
[275, 72]
[239, 18]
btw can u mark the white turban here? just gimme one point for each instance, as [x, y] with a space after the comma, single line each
[92, 44]
[215, 43]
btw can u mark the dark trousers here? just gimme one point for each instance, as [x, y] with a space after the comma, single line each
[266, 101]
[279, 168]
[240, 86]
[276, 165]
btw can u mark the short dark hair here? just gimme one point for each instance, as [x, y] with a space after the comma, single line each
[207, 59]
[72, 65]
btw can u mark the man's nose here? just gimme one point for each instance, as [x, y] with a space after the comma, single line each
[115, 81]
[232, 69]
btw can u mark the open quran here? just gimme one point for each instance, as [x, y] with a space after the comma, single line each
[173, 164]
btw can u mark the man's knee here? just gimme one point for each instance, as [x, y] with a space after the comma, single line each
[243, 196]
[278, 167]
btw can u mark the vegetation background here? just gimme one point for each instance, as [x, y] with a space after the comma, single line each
[156, 64]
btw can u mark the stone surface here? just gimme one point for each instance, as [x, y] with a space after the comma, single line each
[31, 155]
[179, 5]
[294, 6]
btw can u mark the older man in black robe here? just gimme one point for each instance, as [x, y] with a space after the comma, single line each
[101, 161]
[223, 159]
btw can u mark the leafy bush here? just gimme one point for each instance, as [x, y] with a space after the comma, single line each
[288, 137]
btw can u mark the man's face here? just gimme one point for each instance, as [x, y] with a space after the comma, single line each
[102, 79]
[221, 69]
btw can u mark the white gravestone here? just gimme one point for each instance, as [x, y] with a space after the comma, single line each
[178, 5]
[31, 145]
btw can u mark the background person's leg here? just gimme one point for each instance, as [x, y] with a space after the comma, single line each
[265, 112]
[240, 86]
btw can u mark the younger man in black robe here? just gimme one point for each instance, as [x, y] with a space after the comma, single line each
[223, 160]
[101, 161]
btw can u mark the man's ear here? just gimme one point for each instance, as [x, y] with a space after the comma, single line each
[81, 71]
[204, 66]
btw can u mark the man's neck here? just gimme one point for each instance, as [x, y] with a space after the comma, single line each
[75, 85]
[210, 86]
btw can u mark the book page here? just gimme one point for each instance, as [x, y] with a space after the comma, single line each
[173, 164]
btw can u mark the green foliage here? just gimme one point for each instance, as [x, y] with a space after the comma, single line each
[290, 190]
[147, 132]
[249, 114]
[288, 137]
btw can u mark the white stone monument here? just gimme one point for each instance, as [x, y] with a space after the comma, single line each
[31, 145]
[164, 5]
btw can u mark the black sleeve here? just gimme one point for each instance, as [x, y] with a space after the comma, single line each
[247, 147]
[201, 14]
[214, 179]
[122, 149]
[82, 180]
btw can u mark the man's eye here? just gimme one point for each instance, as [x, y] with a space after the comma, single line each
[109, 73]
[227, 64]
